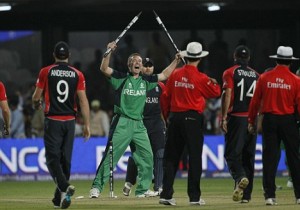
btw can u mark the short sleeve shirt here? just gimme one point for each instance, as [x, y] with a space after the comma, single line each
[2, 92]
[60, 83]
[242, 81]
[131, 92]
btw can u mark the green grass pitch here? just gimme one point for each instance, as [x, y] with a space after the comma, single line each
[217, 193]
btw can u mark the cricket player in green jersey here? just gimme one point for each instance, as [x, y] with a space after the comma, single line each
[127, 124]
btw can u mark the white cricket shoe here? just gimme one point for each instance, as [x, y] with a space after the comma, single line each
[270, 201]
[239, 189]
[94, 193]
[164, 201]
[127, 188]
[289, 184]
[147, 194]
[201, 202]
[158, 192]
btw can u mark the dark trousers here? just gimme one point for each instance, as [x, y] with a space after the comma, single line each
[240, 151]
[58, 139]
[185, 129]
[277, 128]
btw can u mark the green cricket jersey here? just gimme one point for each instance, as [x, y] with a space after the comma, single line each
[130, 96]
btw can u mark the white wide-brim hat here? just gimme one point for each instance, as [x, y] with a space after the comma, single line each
[194, 50]
[284, 53]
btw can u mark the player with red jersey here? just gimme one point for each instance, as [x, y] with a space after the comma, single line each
[5, 110]
[239, 83]
[59, 84]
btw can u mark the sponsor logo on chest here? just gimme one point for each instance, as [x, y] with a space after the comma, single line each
[130, 91]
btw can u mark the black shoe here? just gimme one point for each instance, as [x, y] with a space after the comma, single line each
[56, 203]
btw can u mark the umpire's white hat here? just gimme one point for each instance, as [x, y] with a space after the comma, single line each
[284, 53]
[194, 50]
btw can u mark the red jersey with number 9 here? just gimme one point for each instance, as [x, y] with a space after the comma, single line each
[60, 83]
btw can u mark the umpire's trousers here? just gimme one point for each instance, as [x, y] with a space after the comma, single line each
[277, 128]
[185, 128]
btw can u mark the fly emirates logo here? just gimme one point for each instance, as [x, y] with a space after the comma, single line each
[184, 83]
[278, 84]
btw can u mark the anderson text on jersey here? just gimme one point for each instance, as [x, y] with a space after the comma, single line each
[62, 73]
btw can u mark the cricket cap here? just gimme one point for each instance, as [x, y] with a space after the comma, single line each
[61, 50]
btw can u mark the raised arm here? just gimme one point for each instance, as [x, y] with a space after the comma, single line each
[164, 75]
[105, 60]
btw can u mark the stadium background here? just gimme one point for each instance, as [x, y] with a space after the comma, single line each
[29, 31]
[24, 159]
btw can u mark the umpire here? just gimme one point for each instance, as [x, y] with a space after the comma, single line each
[185, 96]
[277, 95]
